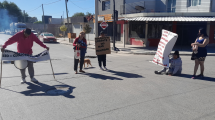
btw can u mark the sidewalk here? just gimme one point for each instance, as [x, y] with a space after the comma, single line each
[139, 50]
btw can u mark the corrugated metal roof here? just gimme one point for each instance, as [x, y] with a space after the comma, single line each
[171, 19]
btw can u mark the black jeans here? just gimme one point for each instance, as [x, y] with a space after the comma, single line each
[76, 61]
[102, 58]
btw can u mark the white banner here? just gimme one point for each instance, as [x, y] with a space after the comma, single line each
[12, 56]
[165, 46]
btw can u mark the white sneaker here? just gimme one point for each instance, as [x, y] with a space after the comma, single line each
[34, 80]
[23, 81]
[101, 68]
[162, 71]
[105, 68]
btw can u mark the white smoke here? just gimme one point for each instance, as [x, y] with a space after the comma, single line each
[6, 19]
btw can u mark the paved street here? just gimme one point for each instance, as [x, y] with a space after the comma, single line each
[129, 90]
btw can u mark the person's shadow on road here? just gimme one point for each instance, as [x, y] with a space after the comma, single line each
[100, 76]
[125, 74]
[41, 89]
[205, 77]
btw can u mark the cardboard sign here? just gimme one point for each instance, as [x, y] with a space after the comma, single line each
[71, 35]
[102, 45]
[165, 46]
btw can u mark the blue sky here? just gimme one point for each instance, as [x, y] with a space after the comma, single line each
[55, 9]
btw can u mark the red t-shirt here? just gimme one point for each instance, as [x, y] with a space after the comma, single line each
[24, 44]
[76, 40]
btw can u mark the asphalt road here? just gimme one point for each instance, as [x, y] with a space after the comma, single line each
[128, 91]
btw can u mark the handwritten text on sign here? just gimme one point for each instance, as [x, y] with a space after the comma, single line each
[102, 45]
[165, 46]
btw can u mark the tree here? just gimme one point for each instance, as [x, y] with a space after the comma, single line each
[13, 9]
[38, 22]
[78, 14]
[89, 14]
[63, 28]
[25, 17]
[87, 30]
[1, 6]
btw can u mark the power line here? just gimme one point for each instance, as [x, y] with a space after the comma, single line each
[52, 2]
[79, 1]
[80, 7]
[43, 4]
[35, 9]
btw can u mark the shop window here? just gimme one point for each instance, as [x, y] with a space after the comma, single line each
[106, 5]
[137, 29]
[155, 29]
[194, 2]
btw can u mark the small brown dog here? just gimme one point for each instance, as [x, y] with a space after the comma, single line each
[86, 61]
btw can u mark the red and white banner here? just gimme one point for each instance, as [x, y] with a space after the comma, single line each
[165, 46]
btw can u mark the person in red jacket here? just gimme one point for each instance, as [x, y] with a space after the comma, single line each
[81, 43]
[25, 41]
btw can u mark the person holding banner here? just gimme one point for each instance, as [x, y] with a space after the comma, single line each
[175, 66]
[201, 43]
[25, 41]
[102, 58]
[80, 43]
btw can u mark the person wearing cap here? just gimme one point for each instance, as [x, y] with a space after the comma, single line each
[102, 58]
[175, 66]
[25, 41]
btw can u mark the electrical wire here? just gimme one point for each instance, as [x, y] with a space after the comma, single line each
[79, 1]
[81, 7]
[52, 2]
[34, 9]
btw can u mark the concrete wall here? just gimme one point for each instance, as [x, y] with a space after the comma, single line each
[149, 5]
[55, 20]
[52, 28]
[118, 3]
[213, 6]
[159, 6]
[78, 27]
[182, 6]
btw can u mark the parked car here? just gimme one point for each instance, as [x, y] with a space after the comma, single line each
[35, 33]
[47, 37]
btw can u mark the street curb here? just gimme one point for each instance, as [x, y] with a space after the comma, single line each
[145, 53]
[180, 54]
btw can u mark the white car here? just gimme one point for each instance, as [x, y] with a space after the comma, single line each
[35, 33]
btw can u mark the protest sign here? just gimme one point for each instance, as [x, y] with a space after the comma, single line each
[102, 45]
[12, 56]
[165, 46]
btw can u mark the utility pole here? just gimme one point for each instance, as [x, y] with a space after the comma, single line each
[96, 18]
[67, 17]
[44, 19]
[24, 16]
[114, 24]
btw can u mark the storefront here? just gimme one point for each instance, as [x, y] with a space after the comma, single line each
[109, 30]
[146, 31]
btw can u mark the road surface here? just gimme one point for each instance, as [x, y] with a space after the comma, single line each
[128, 91]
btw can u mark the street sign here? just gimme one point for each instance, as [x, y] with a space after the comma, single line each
[104, 25]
